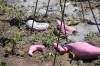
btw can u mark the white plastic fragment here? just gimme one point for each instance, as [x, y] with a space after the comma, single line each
[36, 25]
[68, 3]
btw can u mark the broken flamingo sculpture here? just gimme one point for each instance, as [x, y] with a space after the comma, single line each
[33, 48]
[82, 50]
[68, 29]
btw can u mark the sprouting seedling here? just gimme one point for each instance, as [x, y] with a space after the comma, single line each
[98, 58]
[20, 54]
[41, 65]
[19, 20]
[8, 49]
[63, 63]
[2, 63]
[31, 10]
[73, 55]
[55, 32]
[14, 6]
[14, 41]
[51, 31]
[38, 12]
[16, 38]
[80, 62]
[2, 5]
[3, 1]
[8, 12]
[2, 8]
[35, 36]
[47, 41]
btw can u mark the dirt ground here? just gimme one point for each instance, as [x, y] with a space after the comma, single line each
[20, 57]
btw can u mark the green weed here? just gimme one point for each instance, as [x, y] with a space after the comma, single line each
[55, 32]
[47, 41]
[73, 55]
[98, 58]
[8, 12]
[37, 11]
[2, 63]
[80, 62]
[35, 37]
[2, 5]
[41, 65]
[16, 38]
[19, 18]
[14, 42]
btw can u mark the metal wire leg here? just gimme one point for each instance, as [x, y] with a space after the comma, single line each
[34, 15]
[59, 34]
[94, 16]
[82, 10]
[47, 8]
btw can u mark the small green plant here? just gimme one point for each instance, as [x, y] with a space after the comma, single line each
[98, 58]
[2, 5]
[8, 12]
[35, 37]
[2, 63]
[31, 10]
[19, 20]
[20, 54]
[8, 49]
[63, 63]
[51, 30]
[14, 42]
[73, 55]
[16, 38]
[41, 65]
[55, 32]
[3, 1]
[14, 5]
[47, 41]
[38, 12]
[80, 62]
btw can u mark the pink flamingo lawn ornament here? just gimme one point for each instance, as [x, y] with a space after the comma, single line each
[33, 48]
[67, 29]
[83, 50]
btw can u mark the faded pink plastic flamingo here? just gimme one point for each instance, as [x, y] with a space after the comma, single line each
[68, 29]
[34, 48]
[82, 50]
